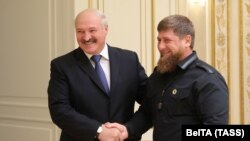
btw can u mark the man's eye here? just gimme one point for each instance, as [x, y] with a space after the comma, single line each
[79, 31]
[92, 31]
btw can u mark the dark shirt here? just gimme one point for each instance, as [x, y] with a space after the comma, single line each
[195, 93]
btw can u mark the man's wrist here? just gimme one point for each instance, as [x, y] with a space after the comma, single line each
[98, 132]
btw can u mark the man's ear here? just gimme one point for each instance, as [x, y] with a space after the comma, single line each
[188, 40]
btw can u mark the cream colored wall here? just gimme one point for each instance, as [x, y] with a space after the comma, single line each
[236, 115]
[32, 32]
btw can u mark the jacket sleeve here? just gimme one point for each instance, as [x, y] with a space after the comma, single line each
[212, 96]
[140, 122]
[62, 113]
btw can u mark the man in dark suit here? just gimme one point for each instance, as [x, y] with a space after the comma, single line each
[182, 90]
[79, 103]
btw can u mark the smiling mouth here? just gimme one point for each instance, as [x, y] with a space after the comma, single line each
[89, 42]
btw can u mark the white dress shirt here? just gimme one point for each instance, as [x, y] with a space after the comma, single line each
[104, 62]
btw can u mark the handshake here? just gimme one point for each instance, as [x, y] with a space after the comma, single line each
[113, 132]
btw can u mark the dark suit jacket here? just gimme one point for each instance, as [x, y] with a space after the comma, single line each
[78, 103]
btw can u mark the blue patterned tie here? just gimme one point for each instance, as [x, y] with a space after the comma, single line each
[100, 72]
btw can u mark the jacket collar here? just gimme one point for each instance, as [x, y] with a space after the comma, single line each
[187, 61]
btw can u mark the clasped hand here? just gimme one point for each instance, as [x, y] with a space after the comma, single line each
[113, 132]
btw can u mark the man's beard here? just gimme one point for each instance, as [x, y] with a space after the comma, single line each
[167, 64]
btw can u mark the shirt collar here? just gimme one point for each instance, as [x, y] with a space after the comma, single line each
[104, 53]
[187, 61]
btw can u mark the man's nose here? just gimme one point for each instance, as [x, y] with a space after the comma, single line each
[86, 36]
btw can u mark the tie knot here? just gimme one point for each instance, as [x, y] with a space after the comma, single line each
[96, 58]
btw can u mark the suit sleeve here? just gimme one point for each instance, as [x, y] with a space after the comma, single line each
[140, 122]
[62, 113]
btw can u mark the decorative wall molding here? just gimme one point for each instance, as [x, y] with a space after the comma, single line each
[245, 59]
[220, 37]
[26, 130]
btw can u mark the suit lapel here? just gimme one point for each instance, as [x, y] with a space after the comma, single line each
[115, 62]
[86, 66]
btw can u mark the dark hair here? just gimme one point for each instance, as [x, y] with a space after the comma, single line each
[180, 25]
